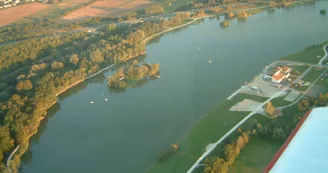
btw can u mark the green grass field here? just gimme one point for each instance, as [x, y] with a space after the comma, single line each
[277, 102]
[308, 55]
[259, 152]
[255, 156]
[299, 69]
[212, 127]
[323, 82]
[312, 75]
[174, 6]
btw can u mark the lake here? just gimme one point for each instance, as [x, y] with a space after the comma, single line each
[125, 134]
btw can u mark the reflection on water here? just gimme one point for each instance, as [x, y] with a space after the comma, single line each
[74, 90]
[27, 157]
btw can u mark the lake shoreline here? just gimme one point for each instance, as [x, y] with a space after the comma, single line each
[106, 68]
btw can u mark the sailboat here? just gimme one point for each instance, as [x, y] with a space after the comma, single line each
[209, 60]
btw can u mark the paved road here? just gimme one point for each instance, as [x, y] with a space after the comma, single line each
[204, 155]
[325, 56]
[9, 158]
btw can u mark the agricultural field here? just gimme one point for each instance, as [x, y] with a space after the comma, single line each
[105, 8]
[19, 12]
[55, 11]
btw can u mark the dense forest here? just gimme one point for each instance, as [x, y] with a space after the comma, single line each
[37, 70]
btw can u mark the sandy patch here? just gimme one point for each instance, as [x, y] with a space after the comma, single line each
[292, 95]
[245, 105]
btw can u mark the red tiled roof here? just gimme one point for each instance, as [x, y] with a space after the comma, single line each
[278, 76]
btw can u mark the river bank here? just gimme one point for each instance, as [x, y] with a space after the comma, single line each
[80, 81]
[104, 118]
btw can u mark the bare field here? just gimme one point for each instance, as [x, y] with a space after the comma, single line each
[19, 12]
[105, 8]
[72, 3]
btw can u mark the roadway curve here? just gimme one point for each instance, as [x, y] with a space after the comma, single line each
[9, 158]
[325, 56]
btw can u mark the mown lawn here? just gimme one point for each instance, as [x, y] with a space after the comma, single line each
[212, 127]
[298, 70]
[308, 55]
[255, 156]
[312, 75]
[258, 152]
[277, 102]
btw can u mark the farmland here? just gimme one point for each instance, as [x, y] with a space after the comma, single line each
[19, 12]
[105, 8]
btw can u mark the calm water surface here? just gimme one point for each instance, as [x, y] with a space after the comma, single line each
[124, 134]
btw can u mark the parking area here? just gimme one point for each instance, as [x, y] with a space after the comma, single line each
[245, 105]
[261, 87]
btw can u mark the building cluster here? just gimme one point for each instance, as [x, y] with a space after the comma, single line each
[276, 74]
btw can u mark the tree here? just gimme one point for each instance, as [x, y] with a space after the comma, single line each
[303, 105]
[154, 69]
[242, 15]
[240, 142]
[24, 85]
[237, 150]
[57, 65]
[96, 56]
[220, 166]
[229, 154]
[230, 15]
[134, 62]
[245, 137]
[270, 110]
[6, 143]
[278, 133]
[111, 27]
[217, 165]
[74, 59]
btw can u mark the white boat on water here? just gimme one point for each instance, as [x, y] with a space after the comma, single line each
[121, 78]
[91, 102]
[158, 77]
[106, 100]
[209, 60]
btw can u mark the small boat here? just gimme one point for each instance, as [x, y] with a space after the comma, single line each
[209, 60]
[91, 102]
[158, 76]
[106, 100]
[121, 78]
[102, 94]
